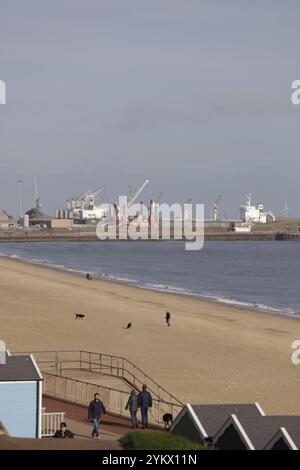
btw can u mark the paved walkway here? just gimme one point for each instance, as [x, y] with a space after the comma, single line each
[76, 416]
[112, 429]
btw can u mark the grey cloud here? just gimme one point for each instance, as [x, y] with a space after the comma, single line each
[194, 94]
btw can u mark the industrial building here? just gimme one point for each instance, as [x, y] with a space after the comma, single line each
[86, 210]
[91, 207]
[37, 219]
[6, 220]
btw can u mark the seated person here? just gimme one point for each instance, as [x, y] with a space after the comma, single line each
[63, 432]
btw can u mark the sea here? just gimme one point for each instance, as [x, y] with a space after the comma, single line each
[261, 275]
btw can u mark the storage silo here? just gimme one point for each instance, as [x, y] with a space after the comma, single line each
[26, 221]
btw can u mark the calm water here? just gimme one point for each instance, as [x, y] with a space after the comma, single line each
[260, 275]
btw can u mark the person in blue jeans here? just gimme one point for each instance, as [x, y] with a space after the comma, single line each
[96, 408]
[144, 402]
[132, 404]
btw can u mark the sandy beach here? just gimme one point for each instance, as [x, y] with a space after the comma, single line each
[212, 353]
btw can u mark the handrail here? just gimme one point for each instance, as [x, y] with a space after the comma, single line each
[126, 363]
[101, 386]
[135, 367]
[51, 422]
[114, 399]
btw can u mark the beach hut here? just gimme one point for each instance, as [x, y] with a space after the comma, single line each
[286, 438]
[200, 423]
[249, 433]
[20, 396]
[258, 433]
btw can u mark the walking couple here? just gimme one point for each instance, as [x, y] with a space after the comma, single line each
[142, 400]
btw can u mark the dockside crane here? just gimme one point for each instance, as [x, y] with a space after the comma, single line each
[86, 200]
[38, 205]
[216, 207]
[90, 198]
[134, 198]
[160, 197]
[124, 217]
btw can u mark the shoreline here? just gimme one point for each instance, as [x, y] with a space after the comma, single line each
[212, 353]
[56, 235]
[234, 303]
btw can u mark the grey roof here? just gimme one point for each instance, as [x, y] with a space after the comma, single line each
[291, 424]
[212, 417]
[294, 434]
[261, 430]
[19, 368]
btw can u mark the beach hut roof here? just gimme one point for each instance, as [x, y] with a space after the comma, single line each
[258, 432]
[19, 368]
[208, 419]
[289, 429]
[288, 436]
[213, 416]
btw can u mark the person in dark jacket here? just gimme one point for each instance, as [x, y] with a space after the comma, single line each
[144, 402]
[96, 408]
[132, 404]
[168, 318]
[63, 432]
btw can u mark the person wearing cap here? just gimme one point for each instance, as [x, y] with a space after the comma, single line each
[63, 432]
[144, 402]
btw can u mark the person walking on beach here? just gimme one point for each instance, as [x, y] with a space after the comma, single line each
[144, 402]
[96, 408]
[132, 404]
[168, 318]
[89, 277]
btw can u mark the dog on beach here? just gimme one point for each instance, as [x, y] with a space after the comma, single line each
[79, 316]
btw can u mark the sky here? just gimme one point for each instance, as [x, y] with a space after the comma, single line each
[193, 95]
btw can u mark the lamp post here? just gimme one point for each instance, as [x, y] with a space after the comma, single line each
[20, 198]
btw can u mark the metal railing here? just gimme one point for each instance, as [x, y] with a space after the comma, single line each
[51, 423]
[55, 364]
[81, 392]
